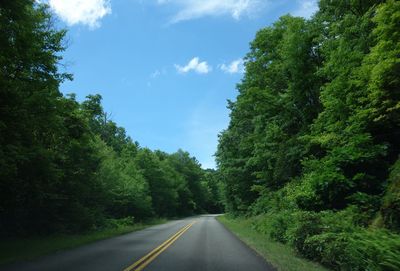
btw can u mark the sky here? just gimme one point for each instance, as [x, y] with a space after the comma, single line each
[165, 68]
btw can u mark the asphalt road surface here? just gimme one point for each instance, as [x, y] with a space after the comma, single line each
[195, 243]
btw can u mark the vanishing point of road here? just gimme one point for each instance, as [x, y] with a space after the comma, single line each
[191, 244]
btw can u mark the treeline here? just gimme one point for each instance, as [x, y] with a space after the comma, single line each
[64, 165]
[312, 148]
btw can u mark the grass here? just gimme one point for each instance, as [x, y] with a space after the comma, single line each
[279, 255]
[13, 250]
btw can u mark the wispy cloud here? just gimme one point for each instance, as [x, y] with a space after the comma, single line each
[86, 12]
[306, 8]
[157, 73]
[193, 9]
[194, 65]
[236, 66]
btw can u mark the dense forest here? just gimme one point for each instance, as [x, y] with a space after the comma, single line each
[312, 148]
[65, 167]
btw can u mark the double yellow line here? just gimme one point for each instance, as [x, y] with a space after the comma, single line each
[148, 258]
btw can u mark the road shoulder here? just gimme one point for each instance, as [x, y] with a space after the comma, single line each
[278, 255]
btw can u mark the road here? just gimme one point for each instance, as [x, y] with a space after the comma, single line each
[195, 243]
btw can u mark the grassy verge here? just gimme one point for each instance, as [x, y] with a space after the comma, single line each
[279, 255]
[13, 250]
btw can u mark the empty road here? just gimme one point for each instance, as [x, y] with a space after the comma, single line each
[196, 243]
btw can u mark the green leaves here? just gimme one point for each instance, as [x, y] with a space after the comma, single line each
[278, 99]
[66, 166]
[316, 128]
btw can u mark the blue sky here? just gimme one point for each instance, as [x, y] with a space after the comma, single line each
[165, 68]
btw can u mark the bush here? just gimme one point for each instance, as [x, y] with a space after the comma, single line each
[328, 249]
[360, 250]
[114, 223]
[390, 209]
[346, 220]
[338, 239]
[279, 227]
[262, 224]
[274, 225]
[307, 224]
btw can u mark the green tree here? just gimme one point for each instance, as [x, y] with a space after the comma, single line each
[277, 102]
[191, 193]
[162, 182]
[30, 106]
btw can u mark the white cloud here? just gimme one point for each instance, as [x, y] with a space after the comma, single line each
[193, 9]
[87, 12]
[235, 66]
[194, 65]
[155, 74]
[306, 8]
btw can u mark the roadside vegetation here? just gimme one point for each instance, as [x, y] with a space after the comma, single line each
[23, 249]
[311, 154]
[67, 168]
[279, 255]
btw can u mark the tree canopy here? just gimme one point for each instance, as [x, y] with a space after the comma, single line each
[65, 166]
[315, 130]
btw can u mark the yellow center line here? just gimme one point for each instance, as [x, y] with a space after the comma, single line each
[148, 258]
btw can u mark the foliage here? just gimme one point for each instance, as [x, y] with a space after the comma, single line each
[313, 142]
[390, 209]
[360, 250]
[281, 256]
[65, 166]
[333, 239]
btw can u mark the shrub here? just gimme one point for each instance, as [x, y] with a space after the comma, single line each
[390, 209]
[274, 225]
[279, 226]
[328, 249]
[262, 223]
[335, 239]
[307, 224]
[342, 221]
[120, 222]
[361, 250]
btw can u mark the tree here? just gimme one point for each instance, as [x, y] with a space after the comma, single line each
[277, 102]
[29, 109]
